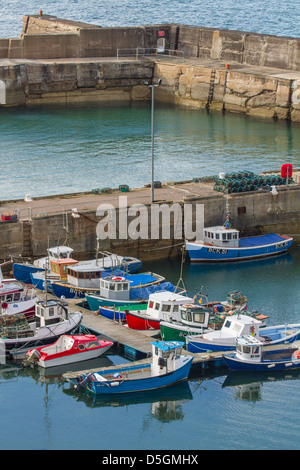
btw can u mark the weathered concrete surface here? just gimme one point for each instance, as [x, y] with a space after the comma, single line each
[258, 91]
[31, 236]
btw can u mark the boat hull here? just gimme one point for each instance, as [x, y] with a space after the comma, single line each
[95, 302]
[235, 364]
[202, 252]
[119, 312]
[141, 385]
[67, 292]
[73, 358]
[27, 307]
[138, 321]
[272, 336]
[171, 332]
[22, 272]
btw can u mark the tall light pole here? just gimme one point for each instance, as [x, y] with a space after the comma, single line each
[152, 86]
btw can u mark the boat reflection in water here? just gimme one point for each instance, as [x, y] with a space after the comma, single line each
[249, 386]
[166, 403]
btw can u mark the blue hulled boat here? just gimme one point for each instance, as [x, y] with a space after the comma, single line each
[252, 355]
[167, 367]
[236, 326]
[222, 243]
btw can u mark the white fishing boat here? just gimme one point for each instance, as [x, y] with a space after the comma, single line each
[51, 320]
[242, 325]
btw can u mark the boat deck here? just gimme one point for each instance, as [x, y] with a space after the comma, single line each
[261, 240]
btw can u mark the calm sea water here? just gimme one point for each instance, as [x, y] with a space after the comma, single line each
[279, 17]
[58, 150]
[55, 150]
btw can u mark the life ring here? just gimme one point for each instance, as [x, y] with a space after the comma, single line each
[117, 279]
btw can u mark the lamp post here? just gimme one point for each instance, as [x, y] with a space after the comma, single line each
[152, 86]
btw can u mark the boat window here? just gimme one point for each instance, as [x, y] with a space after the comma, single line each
[157, 305]
[246, 349]
[125, 286]
[111, 287]
[151, 304]
[17, 297]
[255, 350]
[223, 236]
[227, 324]
[92, 344]
[81, 347]
[9, 298]
[102, 284]
[38, 311]
[237, 328]
[166, 308]
[51, 312]
[239, 347]
[178, 352]
[205, 233]
[229, 236]
[199, 317]
[183, 314]
[175, 308]
[217, 236]
[120, 286]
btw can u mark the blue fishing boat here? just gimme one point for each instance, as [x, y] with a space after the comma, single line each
[242, 325]
[166, 367]
[222, 243]
[252, 355]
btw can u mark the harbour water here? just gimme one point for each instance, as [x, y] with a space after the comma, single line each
[59, 150]
[219, 411]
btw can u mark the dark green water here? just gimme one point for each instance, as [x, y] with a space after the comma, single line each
[219, 411]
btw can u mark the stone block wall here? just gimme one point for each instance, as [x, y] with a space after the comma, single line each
[241, 47]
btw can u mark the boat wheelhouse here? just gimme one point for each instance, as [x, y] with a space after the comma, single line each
[161, 306]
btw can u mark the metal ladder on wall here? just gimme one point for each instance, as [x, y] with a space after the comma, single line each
[211, 89]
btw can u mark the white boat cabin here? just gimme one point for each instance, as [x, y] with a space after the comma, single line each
[165, 305]
[195, 315]
[249, 348]
[235, 326]
[55, 253]
[115, 288]
[164, 355]
[85, 274]
[221, 236]
[50, 312]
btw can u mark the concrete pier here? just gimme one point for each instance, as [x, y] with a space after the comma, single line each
[60, 61]
[48, 221]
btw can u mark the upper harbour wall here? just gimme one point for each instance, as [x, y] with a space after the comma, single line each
[62, 61]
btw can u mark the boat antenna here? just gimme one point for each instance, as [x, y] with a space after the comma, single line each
[180, 280]
[227, 223]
